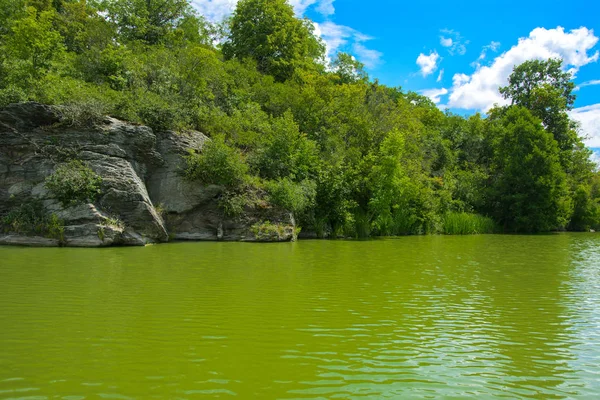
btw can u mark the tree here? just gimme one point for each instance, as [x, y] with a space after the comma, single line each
[147, 20]
[528, 192]
[33, 45]
[546, 90]
[268, 32]
[348, 69]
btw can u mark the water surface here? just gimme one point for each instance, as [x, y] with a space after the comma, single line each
[415, 317]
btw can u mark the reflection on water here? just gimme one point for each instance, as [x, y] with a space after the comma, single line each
[415, 317]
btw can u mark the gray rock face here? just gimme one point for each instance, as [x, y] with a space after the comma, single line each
[140, 170]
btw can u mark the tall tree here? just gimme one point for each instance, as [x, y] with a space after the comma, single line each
[268, 32]
[529, 189]
[546, 90]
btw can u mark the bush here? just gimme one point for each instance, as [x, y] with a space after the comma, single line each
[267, 231]
[30, 218]
[73, 183]
[10, 95]
[468, 224]
[83, 114]
[218, 164]
[292, 196]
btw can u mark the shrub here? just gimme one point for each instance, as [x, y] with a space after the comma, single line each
[292, 196]
[11, 94]
[73, 183]
[267, 231]
[30, 218]
[84, 114]
[218, 164]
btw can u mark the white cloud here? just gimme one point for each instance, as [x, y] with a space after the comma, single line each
[216, 10]
[343, 38]
[440, 76]
[453, 41]
[590, 83]
[325, 7]
[446, 42]
[480, 90]
[428, 64]
[589, 118]
[371, 58]
[435, 94]
[493, 46]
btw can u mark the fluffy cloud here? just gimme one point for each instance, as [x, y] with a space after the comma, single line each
[428, 64]
[343, 38]
[446, 42]
[216, 10]
[453, 41]
[480, 90]
[589, 120]
[435, 94]
[440, 76]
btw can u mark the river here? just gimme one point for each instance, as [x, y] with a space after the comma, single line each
[486, 316]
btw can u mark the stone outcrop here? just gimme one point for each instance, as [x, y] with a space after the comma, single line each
[144, 197]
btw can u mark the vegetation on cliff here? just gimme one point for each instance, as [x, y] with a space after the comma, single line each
[345, 153]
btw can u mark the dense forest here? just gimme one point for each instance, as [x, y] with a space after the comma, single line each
[348, 155]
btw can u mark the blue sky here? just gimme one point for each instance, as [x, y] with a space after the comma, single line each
[458, 53]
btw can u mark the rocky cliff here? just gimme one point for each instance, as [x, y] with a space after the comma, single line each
[143, 196]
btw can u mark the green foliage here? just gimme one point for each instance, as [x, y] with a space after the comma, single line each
[268, 32]
[347, 155]
[296, 197]
[73, 183]
[546, 90]
[468, 224]
[267, 231]
[31, 218]
[529, 191]
[84, 114]
[286, 152]
[31, 47]
[151, 21]
[217, 164]
[349, 69]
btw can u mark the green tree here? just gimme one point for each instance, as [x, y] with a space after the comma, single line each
[546, 90]
[148, 20]
[217, 164]
[348, 69]
[268, 32]
[529, 191]
[32, 47]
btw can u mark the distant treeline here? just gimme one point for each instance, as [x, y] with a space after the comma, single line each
[346, 154]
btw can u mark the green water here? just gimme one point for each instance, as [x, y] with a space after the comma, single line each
[414, 317]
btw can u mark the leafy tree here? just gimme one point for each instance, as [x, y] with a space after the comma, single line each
[286, 152]
[348, 69]
[546, 90]
[268, 32]
[150, 21]
[529, 190]
[32, 46]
